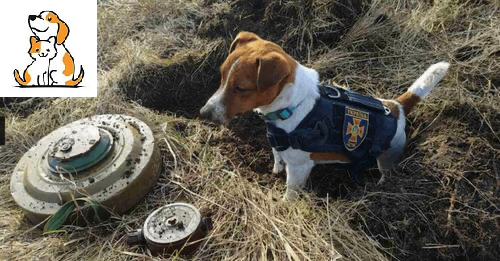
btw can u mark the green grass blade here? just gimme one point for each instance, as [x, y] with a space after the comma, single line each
[58, 219]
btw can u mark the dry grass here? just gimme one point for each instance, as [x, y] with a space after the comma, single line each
[441, 202]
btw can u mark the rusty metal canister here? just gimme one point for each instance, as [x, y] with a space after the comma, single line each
[174, 227]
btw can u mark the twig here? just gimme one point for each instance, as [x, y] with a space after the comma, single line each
[440, 246]
[171, 152]
[133, 254]
[452, 204]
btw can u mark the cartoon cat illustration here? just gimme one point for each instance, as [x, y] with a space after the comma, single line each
[37, 73]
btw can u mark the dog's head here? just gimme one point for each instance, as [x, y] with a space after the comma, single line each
[48, 24]
[253, 75]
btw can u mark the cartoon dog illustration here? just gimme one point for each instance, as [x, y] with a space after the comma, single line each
[37, 73]
[62, 68]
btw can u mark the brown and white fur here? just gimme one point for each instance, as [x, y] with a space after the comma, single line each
[259, 75]
[62, 68]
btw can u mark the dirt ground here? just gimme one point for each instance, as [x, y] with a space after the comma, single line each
[440, 203]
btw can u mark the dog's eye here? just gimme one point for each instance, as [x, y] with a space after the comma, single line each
[50, 19]
[239, 89]
[48, 50]
[36, 50]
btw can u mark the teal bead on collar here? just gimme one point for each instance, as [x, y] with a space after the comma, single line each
[281, 114]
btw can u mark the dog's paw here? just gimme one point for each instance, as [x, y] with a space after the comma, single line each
[278, 167]
[291, 195]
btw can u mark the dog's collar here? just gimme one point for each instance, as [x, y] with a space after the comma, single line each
[281, 114]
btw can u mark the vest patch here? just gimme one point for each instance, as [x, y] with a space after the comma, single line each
[355, 127]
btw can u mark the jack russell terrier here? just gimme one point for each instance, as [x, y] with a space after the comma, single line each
[307, 123]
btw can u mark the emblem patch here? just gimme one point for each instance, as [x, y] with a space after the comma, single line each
[355, 127]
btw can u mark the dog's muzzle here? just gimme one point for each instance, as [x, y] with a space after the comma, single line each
[208, 112]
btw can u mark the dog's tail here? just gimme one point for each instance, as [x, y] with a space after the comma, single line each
[423, 86]
[73, 82]
[19, 80]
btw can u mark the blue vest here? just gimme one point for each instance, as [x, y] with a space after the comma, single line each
[342, 121]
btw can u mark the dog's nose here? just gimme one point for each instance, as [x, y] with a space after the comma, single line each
[32, 17]
[206, 112]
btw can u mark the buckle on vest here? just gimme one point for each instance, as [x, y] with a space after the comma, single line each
[387, 110]
[336, 95]
[285, 114]
[322, 128]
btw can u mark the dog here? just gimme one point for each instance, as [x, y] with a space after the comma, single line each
[42, 52]
[258, 75]
[62, 68]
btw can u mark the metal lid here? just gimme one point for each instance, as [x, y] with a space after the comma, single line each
[79, 148]
[110, 158]
[171, 226]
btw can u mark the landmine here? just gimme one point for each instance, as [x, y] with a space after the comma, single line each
[112, 159]
[174, 227]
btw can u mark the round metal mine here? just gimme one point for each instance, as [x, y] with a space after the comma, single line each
[110, 158]
[170, 227]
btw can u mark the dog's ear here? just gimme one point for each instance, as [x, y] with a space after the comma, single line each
[241, 39]
[272, 68]
[62, 32]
